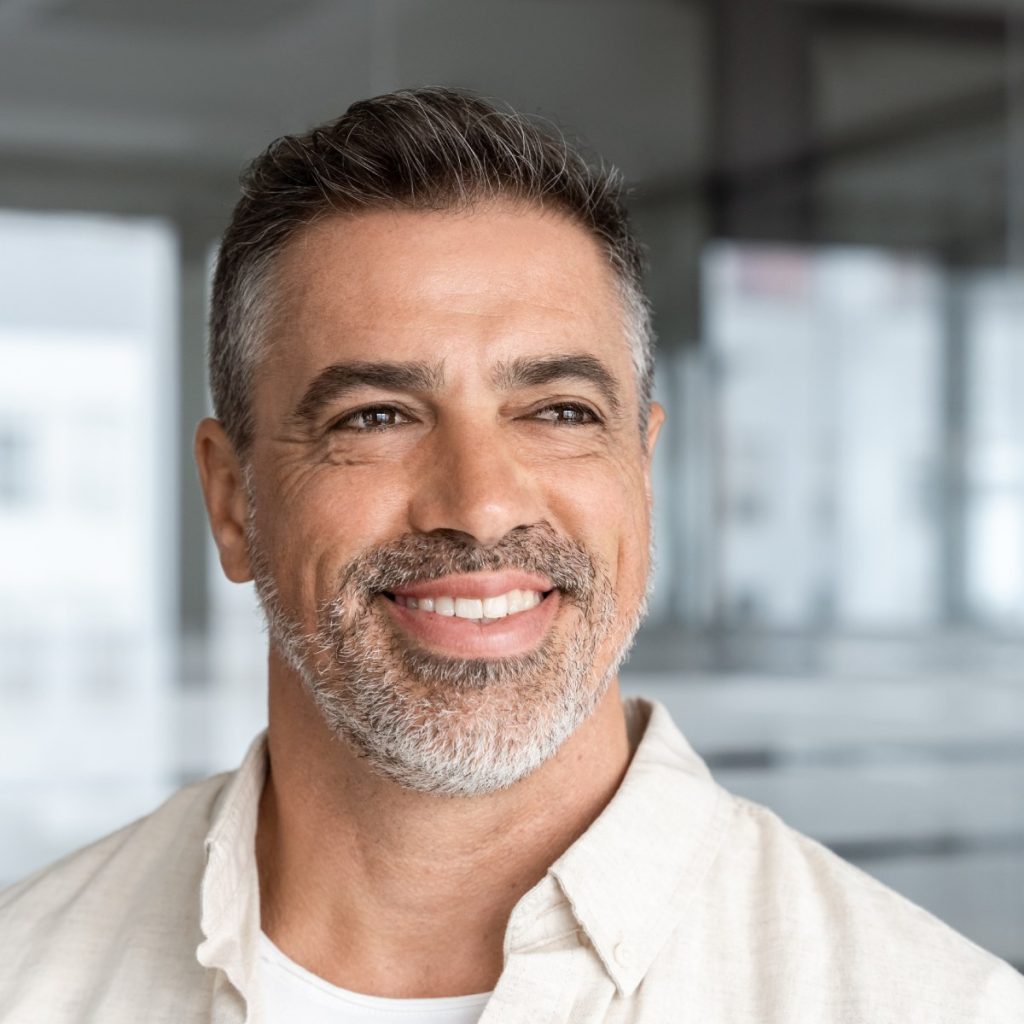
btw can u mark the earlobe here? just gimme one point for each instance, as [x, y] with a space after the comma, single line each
[222, 478]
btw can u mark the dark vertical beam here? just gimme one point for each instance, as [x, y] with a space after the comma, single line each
[762, 116]
[762, 178]
[1015, 139]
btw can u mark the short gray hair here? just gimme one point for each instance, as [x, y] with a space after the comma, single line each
[418, 149]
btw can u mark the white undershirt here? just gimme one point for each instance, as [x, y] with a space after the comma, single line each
[291, 993]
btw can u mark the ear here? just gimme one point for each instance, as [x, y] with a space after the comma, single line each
[227, 504]
[655, 421]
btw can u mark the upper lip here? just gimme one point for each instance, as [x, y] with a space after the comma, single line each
[475, 584]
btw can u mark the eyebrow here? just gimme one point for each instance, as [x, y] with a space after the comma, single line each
[339, 379]
[525, 372]
[334, 382]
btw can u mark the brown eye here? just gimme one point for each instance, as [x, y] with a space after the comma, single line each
[374, 417]
[568, 413]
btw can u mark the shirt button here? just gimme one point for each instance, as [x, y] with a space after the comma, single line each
[623, 957]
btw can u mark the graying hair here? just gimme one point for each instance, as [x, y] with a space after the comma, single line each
[421, 149]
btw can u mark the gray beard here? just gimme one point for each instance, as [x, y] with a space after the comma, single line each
[434, 724]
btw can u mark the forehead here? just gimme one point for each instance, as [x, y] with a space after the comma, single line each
[487, 284]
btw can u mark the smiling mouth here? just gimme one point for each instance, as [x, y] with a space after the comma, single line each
[474, 609]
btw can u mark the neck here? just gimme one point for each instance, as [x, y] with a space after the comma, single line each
[391, 892]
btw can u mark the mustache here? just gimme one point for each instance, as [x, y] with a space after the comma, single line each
[415, 558]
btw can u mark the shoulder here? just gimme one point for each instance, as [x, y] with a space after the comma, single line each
[126, 904]
[167, 843]
[809, 914]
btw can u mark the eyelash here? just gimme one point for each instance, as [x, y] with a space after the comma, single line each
[588, 417]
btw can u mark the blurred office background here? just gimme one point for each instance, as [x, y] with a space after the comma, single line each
[833, 196]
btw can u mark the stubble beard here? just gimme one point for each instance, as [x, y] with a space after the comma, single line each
[445, 725]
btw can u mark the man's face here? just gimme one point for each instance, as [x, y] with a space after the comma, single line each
[450, 530]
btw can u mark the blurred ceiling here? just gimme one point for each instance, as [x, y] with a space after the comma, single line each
[205, 85]
[155, 106]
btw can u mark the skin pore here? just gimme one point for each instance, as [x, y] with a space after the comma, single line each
[459, 377]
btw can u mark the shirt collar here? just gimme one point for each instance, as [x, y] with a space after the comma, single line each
[631, 875]
[229, 897]
[628, 878]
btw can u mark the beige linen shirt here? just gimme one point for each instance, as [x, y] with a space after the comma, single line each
[680, 903]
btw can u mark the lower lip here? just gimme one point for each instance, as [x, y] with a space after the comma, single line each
[463, 638]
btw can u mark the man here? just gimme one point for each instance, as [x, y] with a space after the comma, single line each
[431, 363]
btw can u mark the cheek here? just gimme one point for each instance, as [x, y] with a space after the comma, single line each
[607, 512]
[634, 557]
[328, 522]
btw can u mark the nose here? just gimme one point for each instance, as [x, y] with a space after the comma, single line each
[474, 483]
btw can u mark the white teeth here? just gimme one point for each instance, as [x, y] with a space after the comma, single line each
[496, 607]
[488, 609]
[469, 608]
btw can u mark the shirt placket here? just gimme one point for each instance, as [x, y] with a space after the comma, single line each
[551, 973]
[550, 986]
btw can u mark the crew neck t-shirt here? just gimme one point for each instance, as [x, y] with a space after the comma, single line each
[291, 993]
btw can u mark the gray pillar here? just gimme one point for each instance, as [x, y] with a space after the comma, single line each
[1015, 140]
[761, 120]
